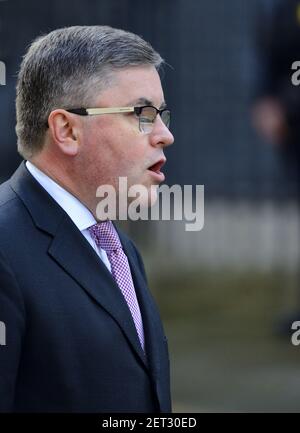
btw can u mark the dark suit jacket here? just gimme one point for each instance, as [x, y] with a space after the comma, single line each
[71, 344]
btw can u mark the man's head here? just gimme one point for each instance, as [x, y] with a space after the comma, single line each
[90, 67]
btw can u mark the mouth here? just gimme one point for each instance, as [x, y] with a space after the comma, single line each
[155, 169]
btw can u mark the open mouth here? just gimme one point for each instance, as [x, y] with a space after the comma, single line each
[154, 169]
[157, 166]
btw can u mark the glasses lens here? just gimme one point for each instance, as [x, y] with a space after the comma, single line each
[148, 116]
[166, 117]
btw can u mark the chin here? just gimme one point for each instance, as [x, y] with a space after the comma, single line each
[152, 198]
[145, 196]
[149, 199]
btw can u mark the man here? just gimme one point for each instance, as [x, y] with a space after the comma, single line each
[82, 331]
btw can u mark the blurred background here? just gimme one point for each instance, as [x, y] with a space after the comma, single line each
[229, 293]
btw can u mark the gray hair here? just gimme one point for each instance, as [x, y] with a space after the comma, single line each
[67, 68]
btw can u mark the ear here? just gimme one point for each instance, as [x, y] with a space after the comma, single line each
[64, 129]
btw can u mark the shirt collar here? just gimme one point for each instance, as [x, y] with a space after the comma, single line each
[79, 214]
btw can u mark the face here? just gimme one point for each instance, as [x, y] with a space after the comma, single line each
[112, 144]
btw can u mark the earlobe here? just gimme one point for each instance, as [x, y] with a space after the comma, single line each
[68, 146]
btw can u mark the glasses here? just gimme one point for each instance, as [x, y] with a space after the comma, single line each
[146, 114]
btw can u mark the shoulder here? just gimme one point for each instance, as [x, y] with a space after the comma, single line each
[11, 207]
[15, 221]
[6, 194]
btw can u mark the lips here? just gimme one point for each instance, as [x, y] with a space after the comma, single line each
[155, 169]
[157, 165]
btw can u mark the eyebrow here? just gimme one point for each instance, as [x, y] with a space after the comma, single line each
[145, 101]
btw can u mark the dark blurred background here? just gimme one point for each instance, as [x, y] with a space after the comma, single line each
[228, 293]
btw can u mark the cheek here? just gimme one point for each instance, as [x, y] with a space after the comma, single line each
[114, 151]
[129, 159]
[135, 166]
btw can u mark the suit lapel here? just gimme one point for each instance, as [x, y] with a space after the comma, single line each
[154, 333]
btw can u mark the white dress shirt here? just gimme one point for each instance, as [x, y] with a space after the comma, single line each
[79, 214]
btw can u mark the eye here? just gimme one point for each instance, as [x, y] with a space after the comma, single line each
[148, 114]
[145, 119]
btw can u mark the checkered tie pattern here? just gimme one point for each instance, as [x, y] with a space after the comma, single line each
[106, 237]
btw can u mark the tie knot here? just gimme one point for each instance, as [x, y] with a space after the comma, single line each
[105, 236]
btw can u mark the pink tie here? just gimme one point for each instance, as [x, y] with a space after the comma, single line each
[106, 237]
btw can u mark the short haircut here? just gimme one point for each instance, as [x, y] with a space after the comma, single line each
[68, 68]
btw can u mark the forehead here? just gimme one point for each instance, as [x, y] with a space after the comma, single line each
[131, 85]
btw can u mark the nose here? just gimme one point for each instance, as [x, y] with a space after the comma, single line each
[161, 136]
